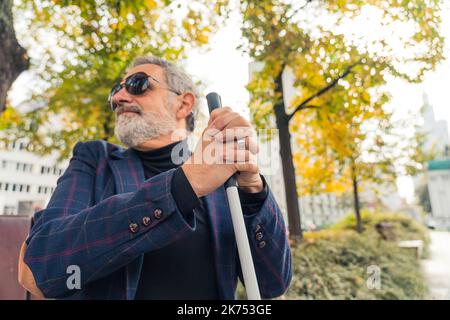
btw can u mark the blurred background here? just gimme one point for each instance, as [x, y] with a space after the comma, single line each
[350, 96]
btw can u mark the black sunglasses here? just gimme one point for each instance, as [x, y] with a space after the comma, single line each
[136, 84]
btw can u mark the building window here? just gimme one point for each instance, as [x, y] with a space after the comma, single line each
[9, 210]
[51, 170]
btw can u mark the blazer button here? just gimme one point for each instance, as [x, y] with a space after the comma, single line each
[259, 235]
[158, 213]
[257, 228]
[133, 227]
[146, 221]
[261, 244]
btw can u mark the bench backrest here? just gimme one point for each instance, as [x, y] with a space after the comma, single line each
[13, 232]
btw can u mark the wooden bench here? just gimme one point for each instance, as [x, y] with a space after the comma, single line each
[416, 245]
[13, 231]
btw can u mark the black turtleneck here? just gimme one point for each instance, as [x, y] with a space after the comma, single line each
[160, 160]
[184, 269]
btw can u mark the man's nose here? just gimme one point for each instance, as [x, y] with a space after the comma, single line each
[122, 96]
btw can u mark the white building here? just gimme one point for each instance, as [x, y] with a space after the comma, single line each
[26, 180]
[439, 190]
[437, 131]
[438, 138]
[384, 196]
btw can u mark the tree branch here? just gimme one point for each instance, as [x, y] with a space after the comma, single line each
[309, 106]
[302, 105]
[298, 9]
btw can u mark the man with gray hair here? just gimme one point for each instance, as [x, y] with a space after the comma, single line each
[152, 221]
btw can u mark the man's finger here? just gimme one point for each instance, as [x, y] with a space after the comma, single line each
[248, 143]
[227, 153]
[235, 133]
[223, 120]
[217, 113]
[230, 147]
[247, 167]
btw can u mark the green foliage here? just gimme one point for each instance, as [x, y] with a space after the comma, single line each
[85, 48]
[333, 263]
[404, 227]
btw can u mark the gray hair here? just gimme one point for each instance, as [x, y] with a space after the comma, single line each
[178, 80]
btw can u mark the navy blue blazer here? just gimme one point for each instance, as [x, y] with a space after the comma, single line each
[104, 215]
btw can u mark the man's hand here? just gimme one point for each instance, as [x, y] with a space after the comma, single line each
[218, 155]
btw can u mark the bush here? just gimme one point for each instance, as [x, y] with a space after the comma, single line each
[404, 227]
[335, 263]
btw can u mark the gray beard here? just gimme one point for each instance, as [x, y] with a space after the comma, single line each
[135, 129]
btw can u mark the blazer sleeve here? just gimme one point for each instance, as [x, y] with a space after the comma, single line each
[270, 249]
[99, 239]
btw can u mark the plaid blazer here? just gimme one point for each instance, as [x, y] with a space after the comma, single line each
[104, 215]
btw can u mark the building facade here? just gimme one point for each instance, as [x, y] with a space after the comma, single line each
[435, 130]
[26, 180]
[437, 137]
[439, 191]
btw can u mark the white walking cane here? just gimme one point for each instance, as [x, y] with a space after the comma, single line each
[245, 255]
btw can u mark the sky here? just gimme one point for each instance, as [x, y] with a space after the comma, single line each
[224, 69]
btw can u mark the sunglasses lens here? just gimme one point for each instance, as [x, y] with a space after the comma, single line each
[137, 83]
[114, 90]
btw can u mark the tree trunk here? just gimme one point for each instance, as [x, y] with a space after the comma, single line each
[13, 57]
[359, 226]
[293, 210]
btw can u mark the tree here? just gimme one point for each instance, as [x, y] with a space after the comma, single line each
[14, 58]
[85, 47]
[315, 39]
[370, 147]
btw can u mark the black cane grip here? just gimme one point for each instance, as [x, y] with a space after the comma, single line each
[215, 102]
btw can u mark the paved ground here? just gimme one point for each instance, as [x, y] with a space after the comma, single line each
[437, 267]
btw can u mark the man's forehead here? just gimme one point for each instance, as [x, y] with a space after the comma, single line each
[150, 69]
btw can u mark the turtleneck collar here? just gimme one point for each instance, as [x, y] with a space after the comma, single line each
[161, 159]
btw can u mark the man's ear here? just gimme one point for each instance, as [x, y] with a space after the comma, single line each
[187, 103]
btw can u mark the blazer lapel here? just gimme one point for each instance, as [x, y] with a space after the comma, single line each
[128, 176]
